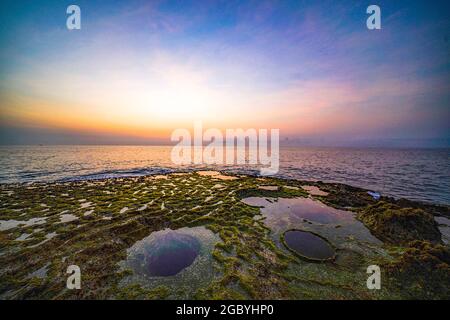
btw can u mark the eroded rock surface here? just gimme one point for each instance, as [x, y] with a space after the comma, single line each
[245, 259]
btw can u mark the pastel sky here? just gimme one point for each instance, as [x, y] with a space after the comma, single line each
[139, 69]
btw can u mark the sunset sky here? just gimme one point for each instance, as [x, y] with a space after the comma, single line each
[139, 69]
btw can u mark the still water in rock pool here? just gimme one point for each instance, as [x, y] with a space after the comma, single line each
[280, 212]
[164, 253]
[338, 226]
[178, 259]
[308, 245]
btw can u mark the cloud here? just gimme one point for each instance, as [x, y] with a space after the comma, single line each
[306, 68]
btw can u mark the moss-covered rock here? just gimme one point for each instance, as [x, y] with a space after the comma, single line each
[395, 225]
[423, 269]
[342, 196]
[248, 260]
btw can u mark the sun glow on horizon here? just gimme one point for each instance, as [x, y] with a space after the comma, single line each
[290, 68]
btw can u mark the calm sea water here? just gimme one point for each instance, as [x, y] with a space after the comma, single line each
[417, 174]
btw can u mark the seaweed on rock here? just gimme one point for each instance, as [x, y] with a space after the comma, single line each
[248, 261]
[396, 225]
[423, 269]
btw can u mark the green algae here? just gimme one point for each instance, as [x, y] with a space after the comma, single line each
[397, 225]
[423, 268]
[248, 262]
[137, 292]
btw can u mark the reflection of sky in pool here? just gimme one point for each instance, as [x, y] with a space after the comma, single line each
[164, 253]
[308, 214]
[178, 259]
[299, 209]
[308, 244]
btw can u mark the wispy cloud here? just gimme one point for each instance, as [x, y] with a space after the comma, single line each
[305, 67]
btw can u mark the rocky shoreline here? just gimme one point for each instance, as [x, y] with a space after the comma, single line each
[44, 228]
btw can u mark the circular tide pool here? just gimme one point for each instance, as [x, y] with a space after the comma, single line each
[308, 245]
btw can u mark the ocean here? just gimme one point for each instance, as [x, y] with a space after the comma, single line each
[416, 174]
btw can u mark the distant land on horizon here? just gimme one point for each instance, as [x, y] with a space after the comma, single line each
[436, 143]
[311, 69]
[45, 136]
